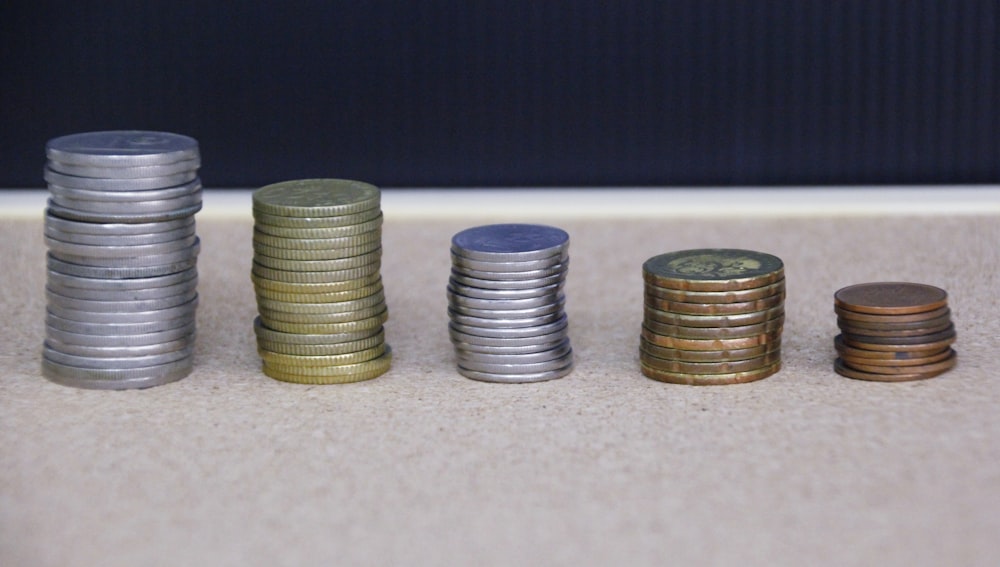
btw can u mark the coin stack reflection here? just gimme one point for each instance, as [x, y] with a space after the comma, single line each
[316, 271]
[506, 303]
[893, 332]
[712, 316]
[122, 276]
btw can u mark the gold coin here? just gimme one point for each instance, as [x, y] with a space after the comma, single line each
[322, 232]
[327, 254]
[329, 328]
[328, 297]
[710, 379]
[762, 304]
[382, 362]
[724, 367]
[290, 276]
[715, 269]
[269, 316]
[321, 349]
[843, 370]
[714, 321]
[299, 361]
[262, 283]
[305, 339]
[333, 265]
[730, 355]
[366, 241]
[770, 326]
[376, 298]
[317, 222]
[735, 296]
[316, 198]
[712, 344]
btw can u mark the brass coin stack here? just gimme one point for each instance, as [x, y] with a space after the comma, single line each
[316, 271]
[893, 332]
[712, 316]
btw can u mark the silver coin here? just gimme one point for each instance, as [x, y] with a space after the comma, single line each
[518, 368]
[480, 293]
[508, 342]
[317, 222]
[64, 281]
[556, 270]
[113, 261]
[517, 333]
[129, 207]
[98, 272]
[517, 378]
[113, 229]
[316, 277]
[507, 284]
[115, 363]
[510, 313]
[74, 214]
[99, 306]
[113, 318]
[61, 247]
[142, 339]
[123, 295]
[522, 266]
[126, 196]
[122, 148]
[456, 299]
[556, 351]
[119, 378]
[320, 232]
[120, 239]
[264, 333]
[126, 172]
[499, 323]
[104, 184]
[510, 242]
[521, 349]
[119, 351]
[53, 321]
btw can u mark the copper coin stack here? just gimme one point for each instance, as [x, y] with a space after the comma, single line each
[893, 332]
[712, 316]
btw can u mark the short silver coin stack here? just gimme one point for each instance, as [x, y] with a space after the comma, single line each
[506, 303]
[122, 275]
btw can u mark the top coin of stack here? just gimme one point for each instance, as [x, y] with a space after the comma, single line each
[712, 316]
[506, 304]
[893, 332]
[316, 271]
[122, 258]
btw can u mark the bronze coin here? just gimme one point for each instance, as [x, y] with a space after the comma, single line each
[920, 347]
[734, 320]
[715, 269]
[947, 333]
[890, 298]
[711, 344]
[762, 304]
[723, 367]
[840, 368]
[911, 318]
[897, 326]
[946, 363]
[706, 355]
[857, 331]
[849, 351]
[852, 360]
[735, 296]
[710, 379]
[679, 331]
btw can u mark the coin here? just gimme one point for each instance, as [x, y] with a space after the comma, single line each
[889, 354]
[713, 321]
[769, 326]
[557, 351]
[56, 278]
[365, 241]
[843, 370]
[510, 242]
[721, 367]
[946, 363]
[125, 172]
[313, 361]
[84, 339]
[292, 276]
[859, 362]
[116, 378]
[118, 363]
[321, 232]
[119, 240]
[122, 295]
[112, 260]
[116, 351]
[556, 335]
[126, 196]
[375, 299]
[533, 284]
[922, 342]
[54, 321]
[480, 293]
[146, 206]
[333, 265]
[858, 332]
[762, 304]
[710, 379]
[713, 270]
[516, 367]
[263, 283]
[327, 297]
[371, 323]
[120, 317]
[125, 148]
[111, 251]
[556, 270]
[519, 378]
[504, 323]
[891, 319]
[316, 222]
[266, 334]
[332, 348]
[712, 344]
[115, 229]
[132, 184]
[512, 266]
[891, 298]
[721, 355]
[332, 371]
[130, 306]
[536, 331]
[316, 198]
[529, 348]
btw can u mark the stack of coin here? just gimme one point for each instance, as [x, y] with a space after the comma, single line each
[712, 316]
[122, 272]
[316, 271]
[893, 332]
[506, 303]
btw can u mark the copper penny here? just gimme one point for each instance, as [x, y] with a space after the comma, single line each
[735, 296]
[713, 269]
[710, 379]
[762, 304]
[854, 352]
[858, 331]
[843, 370]
[929, 359]
[945, 363]
[900, 326]
[920, 347]
[947, 333]
[869, 318]
[890, 298]
[706, 355]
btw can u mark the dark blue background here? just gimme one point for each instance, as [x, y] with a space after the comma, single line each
[588, 92]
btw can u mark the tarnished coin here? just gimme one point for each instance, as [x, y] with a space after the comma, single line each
[767, 327]
[316, 198]
[332, 371]
[313, 361]
[375, 299]
[843, 370]
[946, 363]
[896, 326]
[265, 334]
[510, 242]
[890, 298]
[862, 362]
[730, 355]
[860, 333]
[122, 148]
[891, 319]
[322, 232]
[316, 222]
[886, 343]
[370, 323]
[849, 351]
[722, 367]
[734, 296]
[132, 184]
[328, 297]
[710, 379]
[263, 283]
[715, 269]
[713, 321]
[334, 265]
[762, 304]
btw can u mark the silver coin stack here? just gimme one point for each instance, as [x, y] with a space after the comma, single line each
[506, 303]
[122, 273]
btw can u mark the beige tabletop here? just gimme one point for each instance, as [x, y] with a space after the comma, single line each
[424, 467]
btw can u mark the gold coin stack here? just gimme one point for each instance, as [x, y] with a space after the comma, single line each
[316, 271]
[712, 316]
[893, 332]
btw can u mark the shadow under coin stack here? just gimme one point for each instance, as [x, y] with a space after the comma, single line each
[506, 304]
[122, 273]
[712, 316]
[316, 271]
[893, 332]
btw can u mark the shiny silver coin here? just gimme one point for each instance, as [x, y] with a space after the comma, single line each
[524, 266]
[530, 348]
[128, 351]
[116, 363]
[463, 279]
[317, 222]
[116, 379]
[509, 342]
[496, 323]
[504, 378]
[123, 295]
[53, 321]
[112, 260]
[73, 214]
[510, 242]
[459, 300]
[64, 281]
[510, 313]
[126, 196]
[126, 172]
[517, 333]
[113, 229]
[61, 247]
[122, 148]
[142, 339]
[129, 207]
[119, 240]
[518, 368]
[480, 293]
[103, 306]
[105, 184]
[117, 318]
[264, 333]
[98, 272]
[557, 352]
[556, 270]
